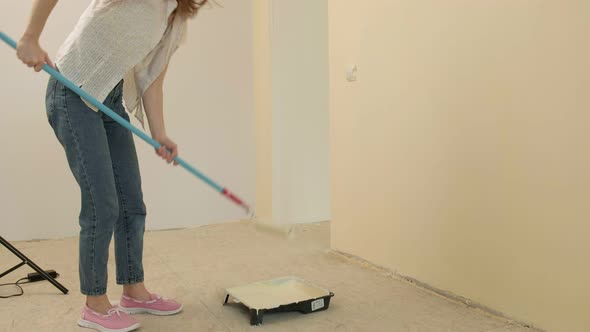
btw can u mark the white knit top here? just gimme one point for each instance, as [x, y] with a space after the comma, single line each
[121, 39]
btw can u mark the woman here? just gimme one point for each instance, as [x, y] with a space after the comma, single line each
[119, 50]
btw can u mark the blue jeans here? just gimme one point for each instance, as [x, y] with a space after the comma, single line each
[102, 157]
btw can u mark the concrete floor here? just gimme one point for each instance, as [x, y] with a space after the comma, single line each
[196, 265]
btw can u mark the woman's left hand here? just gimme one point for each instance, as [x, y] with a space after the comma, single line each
[168, 151]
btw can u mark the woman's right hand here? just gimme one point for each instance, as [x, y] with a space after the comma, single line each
[168, 151]
[30, 53]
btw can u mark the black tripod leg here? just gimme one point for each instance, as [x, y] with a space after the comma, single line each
[32, 264]
[12, 269]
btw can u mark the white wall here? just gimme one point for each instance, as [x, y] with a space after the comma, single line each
[300, 122]
[208, 111]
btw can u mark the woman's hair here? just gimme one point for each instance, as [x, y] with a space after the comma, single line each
[189, 8]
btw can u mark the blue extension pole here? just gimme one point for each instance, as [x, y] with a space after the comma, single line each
[58, 76]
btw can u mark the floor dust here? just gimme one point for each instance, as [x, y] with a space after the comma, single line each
[196, 266]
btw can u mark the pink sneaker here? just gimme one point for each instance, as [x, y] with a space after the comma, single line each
[114, 321]
[156, 306]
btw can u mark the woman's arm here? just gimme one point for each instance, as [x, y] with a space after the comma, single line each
[153, 103]
[28, 49]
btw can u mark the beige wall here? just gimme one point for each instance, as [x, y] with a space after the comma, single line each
[209, 112]
[291, 103]
[261, 22]
[461, 155]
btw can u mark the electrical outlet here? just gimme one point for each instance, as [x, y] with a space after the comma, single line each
[351, 73]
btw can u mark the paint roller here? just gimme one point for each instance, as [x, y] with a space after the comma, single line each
[58, 76]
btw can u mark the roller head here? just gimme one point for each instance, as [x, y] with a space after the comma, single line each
[251, 213]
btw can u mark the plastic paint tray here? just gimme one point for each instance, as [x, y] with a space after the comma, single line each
[280, 295]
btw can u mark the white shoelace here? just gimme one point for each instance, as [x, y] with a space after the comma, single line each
[113, 311]
[158, 298]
